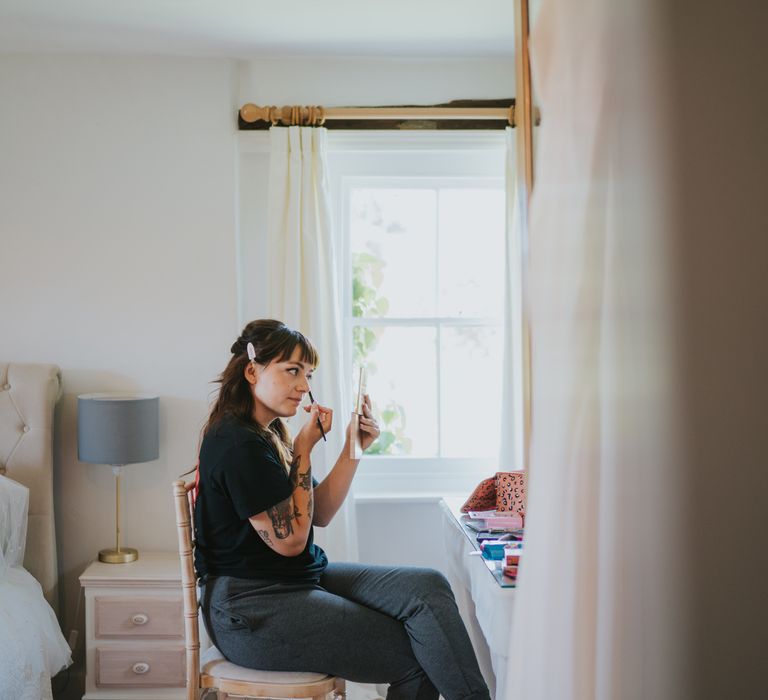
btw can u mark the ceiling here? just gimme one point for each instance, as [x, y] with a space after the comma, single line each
[255, 28]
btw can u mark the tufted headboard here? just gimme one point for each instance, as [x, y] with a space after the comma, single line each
[28, 395]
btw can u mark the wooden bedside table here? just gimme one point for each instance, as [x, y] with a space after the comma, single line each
[134, 629]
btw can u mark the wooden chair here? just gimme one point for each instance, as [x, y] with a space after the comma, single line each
[215, 674]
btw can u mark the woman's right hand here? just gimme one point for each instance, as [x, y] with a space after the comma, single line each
[310, 433]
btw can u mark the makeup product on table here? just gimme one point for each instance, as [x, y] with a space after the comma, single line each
[485, 536]
[492, 550]
[511, 562]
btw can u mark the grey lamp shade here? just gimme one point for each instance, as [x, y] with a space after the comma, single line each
[118, 428]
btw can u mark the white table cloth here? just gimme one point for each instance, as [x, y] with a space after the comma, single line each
[484, 605]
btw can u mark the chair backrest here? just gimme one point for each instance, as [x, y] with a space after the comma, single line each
[182, 503]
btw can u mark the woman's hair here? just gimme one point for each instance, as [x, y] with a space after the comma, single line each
[272, 340]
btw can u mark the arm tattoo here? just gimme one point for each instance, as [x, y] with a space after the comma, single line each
[281, 516]
[294, 470]
[284, 513]
[305, 481]
[265, 536]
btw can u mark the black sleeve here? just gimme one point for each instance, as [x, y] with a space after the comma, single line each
[253, 478]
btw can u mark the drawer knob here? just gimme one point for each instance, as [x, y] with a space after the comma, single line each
[141, 667]
[140, 619]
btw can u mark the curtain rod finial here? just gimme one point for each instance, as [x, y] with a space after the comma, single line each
[253, 113]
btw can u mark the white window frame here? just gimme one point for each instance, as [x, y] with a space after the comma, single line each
[379, 156]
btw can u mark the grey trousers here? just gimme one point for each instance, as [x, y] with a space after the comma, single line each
[363, 623]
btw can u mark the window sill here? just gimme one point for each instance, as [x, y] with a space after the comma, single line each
[404, 479]
[405, 497]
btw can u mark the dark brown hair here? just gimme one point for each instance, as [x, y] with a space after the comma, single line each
[273, 341]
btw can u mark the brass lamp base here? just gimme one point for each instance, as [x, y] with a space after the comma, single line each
[118, 556]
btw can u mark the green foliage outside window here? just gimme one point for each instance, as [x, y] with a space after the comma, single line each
[367, 276]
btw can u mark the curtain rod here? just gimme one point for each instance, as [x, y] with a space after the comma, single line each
[460, 114]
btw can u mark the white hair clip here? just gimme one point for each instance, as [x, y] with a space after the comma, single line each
[251, 352]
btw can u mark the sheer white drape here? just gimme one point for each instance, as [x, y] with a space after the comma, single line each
[590, 623]
[304, 294]
[511, 436]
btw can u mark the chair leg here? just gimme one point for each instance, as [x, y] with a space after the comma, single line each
[340, 691]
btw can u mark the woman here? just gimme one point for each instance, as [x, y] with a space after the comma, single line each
[270, 599]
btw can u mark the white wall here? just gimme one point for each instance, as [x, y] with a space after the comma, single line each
[346, 82]
[118, 250]
[397, 533]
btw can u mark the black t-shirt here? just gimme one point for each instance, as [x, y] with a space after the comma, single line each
[241, 476]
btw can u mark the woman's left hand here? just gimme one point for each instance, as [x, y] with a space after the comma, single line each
[369, 426]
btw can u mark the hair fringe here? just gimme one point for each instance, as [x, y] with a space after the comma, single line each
[272, 340]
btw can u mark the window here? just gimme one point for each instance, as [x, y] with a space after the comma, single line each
[423, 232]
[427, 290]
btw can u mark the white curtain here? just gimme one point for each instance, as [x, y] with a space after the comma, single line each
[595, 616]
[511, 414]
[304, 294]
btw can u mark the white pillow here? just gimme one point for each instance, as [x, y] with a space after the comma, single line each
[14, 505]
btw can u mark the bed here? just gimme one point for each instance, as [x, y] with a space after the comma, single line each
[32, 648]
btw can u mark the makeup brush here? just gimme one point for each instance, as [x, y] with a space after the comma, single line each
[319, 424]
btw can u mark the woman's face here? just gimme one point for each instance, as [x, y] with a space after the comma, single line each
[279, 387]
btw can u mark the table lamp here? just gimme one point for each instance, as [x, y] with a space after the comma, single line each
[117, 429]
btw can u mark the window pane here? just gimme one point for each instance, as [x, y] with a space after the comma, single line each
[393, 233]
[402, 383]
[470, 387]
[471, 252]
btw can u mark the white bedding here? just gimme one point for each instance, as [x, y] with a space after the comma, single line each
[32, 648]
